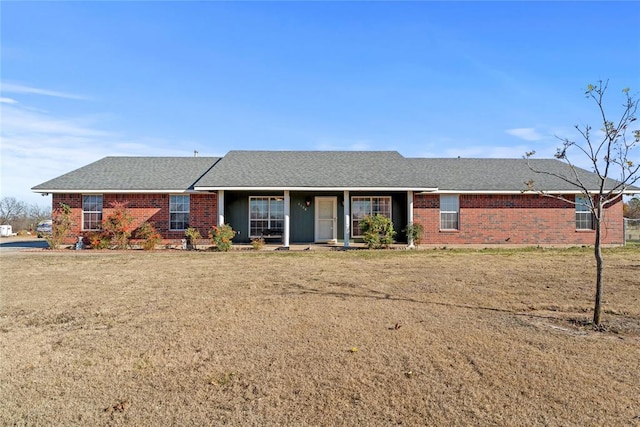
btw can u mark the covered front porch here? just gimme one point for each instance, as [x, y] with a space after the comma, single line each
[310, 216]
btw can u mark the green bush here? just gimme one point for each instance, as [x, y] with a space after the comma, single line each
[377, 231]
[414, 232]
[221, 237]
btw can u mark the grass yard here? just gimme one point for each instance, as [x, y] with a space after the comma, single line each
[430, 337]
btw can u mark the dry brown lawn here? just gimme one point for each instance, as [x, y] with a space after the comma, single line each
[430, 337]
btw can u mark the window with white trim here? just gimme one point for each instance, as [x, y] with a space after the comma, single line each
[179, 208]
[266, 216]
[449, 210]
[92, 212]
[362, 206]
[584, 216]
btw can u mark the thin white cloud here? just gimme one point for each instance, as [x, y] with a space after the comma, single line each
[5, 100]
[38, 146]
[22, 120]
[23, 89]
[528, 134]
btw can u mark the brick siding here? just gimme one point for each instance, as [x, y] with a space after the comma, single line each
[483, 219]
[513, 219]
[148, 207]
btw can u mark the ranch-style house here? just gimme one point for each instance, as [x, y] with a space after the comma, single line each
[321, 196]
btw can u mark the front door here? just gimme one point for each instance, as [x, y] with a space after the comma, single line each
[326, 219]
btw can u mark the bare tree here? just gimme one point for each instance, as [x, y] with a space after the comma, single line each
[20, 215]
[38, 213]
[11, 210]
[609, 155]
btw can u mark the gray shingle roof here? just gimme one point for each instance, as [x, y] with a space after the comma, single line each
[313, 169]
[455, 174]
[133, 174]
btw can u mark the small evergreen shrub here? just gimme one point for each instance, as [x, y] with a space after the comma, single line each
[414, 232]
[221, 237]
[149, 236]
[377, 231]
[193, 235]
[257, 243]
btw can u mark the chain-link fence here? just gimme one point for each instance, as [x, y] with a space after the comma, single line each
[631, 230]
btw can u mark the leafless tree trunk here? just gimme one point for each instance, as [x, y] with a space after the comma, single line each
[609, 155]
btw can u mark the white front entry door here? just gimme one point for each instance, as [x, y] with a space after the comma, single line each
[326, 219]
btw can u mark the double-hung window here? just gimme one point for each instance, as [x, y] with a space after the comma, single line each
[266, 216]
[362, 206]
[449, 210]
[179, 208]
[584, 217]
[92, 212]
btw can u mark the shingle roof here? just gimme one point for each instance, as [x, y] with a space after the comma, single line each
[313, 169]
[456, 174]
[133, 174]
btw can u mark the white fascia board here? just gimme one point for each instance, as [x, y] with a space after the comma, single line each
[93, 191]
[430, 190]
[507, 192]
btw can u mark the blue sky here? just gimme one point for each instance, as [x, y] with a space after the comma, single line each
[84, 80]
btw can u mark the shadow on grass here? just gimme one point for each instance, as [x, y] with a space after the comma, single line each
[632, 323]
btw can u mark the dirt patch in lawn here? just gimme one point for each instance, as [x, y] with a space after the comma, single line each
[319, 338]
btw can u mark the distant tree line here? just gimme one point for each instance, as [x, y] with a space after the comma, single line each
[632, 208]
[20, 215]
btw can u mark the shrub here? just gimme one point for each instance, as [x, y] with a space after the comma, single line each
[99, 240]
[118, 224]
[221, 237]
[377, 231]
[414, 232]
[149, 236]
[257, 243]
[61, 224]
[193, 235]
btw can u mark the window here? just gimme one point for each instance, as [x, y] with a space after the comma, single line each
[92, 212]
[266, 216]
[364, 206]
[449, 209]
[179, 212]
[584, 217]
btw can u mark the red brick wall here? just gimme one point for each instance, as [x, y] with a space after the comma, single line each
[484, 219]
[148, 207]
[513, 219]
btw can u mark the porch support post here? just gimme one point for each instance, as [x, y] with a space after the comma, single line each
[220, 207]
[410, 217]
[287, 214]
[347, 218]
